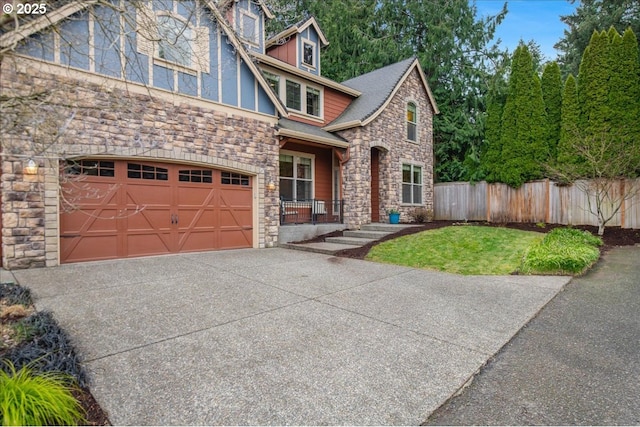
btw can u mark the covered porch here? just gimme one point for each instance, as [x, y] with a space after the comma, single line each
[310, 174]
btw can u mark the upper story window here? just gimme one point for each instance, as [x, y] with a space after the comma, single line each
[313, 102]
[308, 53]
[294, 97]
[412, 122]
[273, 80]
[175, 40]
[249, 27]
[171, 40]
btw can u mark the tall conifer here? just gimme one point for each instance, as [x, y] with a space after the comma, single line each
[524, 147]
[552, 95]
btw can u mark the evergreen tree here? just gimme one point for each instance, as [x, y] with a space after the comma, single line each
[624, 93]
[491, 158]
[453, 45]
[524, 144]
[552, 95]
[593, 86]
[589, 16]
[569, 124]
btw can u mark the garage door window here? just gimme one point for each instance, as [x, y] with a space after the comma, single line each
[229, 178]
[138, 171]
[91, 167]
[187, 175]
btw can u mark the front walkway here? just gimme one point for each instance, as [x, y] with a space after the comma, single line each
[275, 336]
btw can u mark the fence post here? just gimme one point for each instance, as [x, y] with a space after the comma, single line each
[547, 215]
[623, 204]
[488, 190]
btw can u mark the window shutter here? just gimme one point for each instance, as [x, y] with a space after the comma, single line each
[201, 49]
[146, 29]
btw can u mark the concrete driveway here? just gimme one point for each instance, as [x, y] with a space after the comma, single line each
[280, 337]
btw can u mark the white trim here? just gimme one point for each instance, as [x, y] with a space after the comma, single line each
[314, 59]
[92, 43]
[307, 137]
[302, 112]
[416, 122]
[255, 40]
[412, 164]
[219, 66]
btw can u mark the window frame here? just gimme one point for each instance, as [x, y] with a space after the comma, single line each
[286, 94]
[410, 123]
[273, 80]
[190, 40]
[255, 39]
[309, 89]
[412, 185]
[296, 156]
[314, 61]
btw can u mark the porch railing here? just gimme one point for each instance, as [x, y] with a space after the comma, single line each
[313, 211]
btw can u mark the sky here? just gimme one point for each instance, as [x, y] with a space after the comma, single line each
[529, 19]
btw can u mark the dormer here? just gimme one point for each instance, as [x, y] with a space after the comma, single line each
[247, 18]
[299, 45]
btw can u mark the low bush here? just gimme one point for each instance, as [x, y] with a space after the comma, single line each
[562, 251]
[48, 348]
[15, 294]
[422, 215]
[37, 398]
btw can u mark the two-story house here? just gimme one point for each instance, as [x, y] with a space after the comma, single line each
[165, 126]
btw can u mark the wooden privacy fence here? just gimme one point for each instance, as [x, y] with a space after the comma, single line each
[537, 201]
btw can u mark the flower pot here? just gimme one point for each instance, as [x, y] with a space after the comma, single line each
[394, 218]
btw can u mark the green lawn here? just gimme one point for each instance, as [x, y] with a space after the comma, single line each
[459, 249]
[492, 250]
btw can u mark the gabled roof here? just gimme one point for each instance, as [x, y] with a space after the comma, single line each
[9, 39]
[298, 27]
[308, 132]
[377, 88]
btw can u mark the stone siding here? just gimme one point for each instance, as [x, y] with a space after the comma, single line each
[388, 133]
[95, 119]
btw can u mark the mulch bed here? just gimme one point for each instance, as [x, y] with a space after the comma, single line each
[613, 236]
[95, 416]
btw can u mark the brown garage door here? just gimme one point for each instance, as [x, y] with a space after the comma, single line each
[119, 209]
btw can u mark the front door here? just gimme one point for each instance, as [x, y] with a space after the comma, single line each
[375, 185]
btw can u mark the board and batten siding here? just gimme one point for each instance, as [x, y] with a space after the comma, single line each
[104, 43]
[538, 201]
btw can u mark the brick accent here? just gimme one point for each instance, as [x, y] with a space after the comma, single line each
[388, 132]
[121, 124]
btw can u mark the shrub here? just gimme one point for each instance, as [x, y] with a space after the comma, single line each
[47, 348]
[421, 215]
[562, 251]
[28, 398]
[15, 294]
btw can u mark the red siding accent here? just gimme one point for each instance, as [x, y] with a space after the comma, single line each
[334, 104]
[285, 52]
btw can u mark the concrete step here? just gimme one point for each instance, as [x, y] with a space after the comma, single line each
[318, 247]
[366, 234]
[357, 241]
[389, 228]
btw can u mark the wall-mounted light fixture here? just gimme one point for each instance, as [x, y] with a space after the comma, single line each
[31, 168]
[271, 186]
